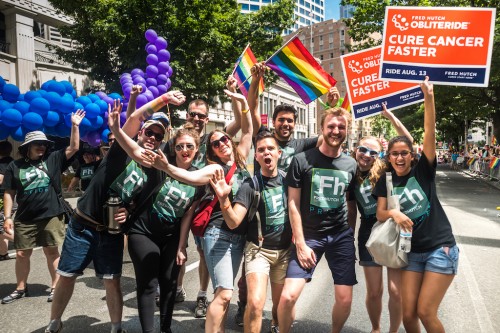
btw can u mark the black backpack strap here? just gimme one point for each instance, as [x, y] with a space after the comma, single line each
[254, 209]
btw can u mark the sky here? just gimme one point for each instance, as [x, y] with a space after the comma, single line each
[332, 9]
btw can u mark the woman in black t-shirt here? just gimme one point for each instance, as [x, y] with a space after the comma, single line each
[433, 258]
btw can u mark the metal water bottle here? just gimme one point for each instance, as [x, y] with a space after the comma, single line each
[113, 204]
[405, 240]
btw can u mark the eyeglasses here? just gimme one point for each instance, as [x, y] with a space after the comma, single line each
[40, 143]
[187, 146]
[364, 150]
[158, 137]
[403, 153]
[201, 116]
[216, 143]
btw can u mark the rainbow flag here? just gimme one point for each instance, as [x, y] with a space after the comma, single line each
[495, 161]
[242, 71]
[471, 160]
[493, 140]
[301, 71]
[346, 103]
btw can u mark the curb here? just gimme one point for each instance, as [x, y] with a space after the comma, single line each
[483, 178]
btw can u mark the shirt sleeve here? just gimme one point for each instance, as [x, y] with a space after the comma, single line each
[294, 175]
[308, 143]
[8, 178]
[245, 194]
[424, 170]
[350, 189]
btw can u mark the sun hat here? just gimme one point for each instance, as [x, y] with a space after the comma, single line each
[150, 123]
[34, 136]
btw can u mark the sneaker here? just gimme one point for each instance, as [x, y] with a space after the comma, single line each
[4, 257]
[180, 296]
[201, 307]
[16, 294]
[274, 329]
[51, 295]
[47, 330]
[238, 318]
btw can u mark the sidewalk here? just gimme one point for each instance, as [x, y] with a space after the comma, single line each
[484, 178]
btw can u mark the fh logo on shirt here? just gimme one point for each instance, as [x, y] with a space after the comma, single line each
[33, 178]
[365, 198]
[174, 197]
[328, 188]
[274, 201]
[129, 182]
[412, 199]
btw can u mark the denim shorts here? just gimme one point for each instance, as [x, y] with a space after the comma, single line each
[223, 252]
[83, 245]
[436, 261]
[339, 252]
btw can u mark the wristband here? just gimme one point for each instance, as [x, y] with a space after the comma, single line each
[164, 98]
[8, 217]
[245, 111]
[226, 207]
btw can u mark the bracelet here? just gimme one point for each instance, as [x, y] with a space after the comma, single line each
[245, 111]
[8, 217]
[164, 98]
[226, 207]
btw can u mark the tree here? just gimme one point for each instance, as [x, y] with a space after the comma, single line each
[454, 105]
[205, 38]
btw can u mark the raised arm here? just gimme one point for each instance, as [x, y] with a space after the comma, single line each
[258, 71]
[235, 125]
[136, 90]
[233, 216]
[398, 125]
[74, 140]
[246, 125]
[429, 121]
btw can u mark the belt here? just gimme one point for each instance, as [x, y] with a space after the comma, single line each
[80, 218]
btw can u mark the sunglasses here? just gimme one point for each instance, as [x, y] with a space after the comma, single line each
[187, 146]
[364, 150]
[158, 137]
[111, 140]
[40, 143]
[403, 153]
[216, 143]
[200, 115]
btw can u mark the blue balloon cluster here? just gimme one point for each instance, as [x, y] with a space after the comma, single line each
[155, 79]
[49, 110]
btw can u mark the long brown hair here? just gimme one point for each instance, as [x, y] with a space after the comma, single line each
[378, 167]
[212, 158]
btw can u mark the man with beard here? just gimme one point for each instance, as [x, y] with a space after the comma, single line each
[320, 184]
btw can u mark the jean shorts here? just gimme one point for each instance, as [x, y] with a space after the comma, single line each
[437, 261]
[223, 252]
[83, 245]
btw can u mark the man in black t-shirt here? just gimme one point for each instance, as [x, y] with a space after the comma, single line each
[321, 206]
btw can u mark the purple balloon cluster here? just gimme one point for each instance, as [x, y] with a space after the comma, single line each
[49, 110]
[155, 80]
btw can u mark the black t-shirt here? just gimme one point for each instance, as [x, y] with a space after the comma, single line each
[4, 161]
[289, 149]
[36, 197]
[216, 219]
[419, 201]
[119, 175]
[166, 207]
[366, 202]
[199, 162]
[85, 172]
[325, 182]
[272, 209]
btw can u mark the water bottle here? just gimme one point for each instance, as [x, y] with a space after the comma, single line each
[113, 204]
[404, 240]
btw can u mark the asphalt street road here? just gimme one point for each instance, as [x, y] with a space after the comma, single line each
[471, 304]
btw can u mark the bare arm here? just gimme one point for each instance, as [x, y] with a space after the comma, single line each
[429, 121]
[74, 182]
[398, 125]
[8, 201]
[383, 214]
[234, 126]
[258, 71]
[136, 90]
[246, 125]
[233, 216]
[74, 140]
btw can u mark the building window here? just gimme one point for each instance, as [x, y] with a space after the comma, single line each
[331, 55]
[321, 47]
[321, 57]
[244, 6]
[254, 7]
[331, 65]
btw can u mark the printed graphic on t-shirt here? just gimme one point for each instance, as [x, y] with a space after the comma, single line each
[285, 159]
[238, 179]
[365, 198]
[274, 201]
[34, 180]
[87, 172]
[129, 182]
[173, 197]
[200, 161]
[328, 188]
[413, 200]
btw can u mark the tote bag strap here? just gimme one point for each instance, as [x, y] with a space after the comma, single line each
[392, 200]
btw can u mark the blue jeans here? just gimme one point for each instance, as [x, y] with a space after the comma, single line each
[223, 253]
[83, 245]
[437, 261]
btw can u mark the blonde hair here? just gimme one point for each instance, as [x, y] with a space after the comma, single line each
[336, 112]
[378, 167]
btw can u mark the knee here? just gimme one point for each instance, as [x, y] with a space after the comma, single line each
[288, 298]
[395, 294]
[255, 305]
[225, 296]
[112, 284]
[23, 254]
[374, 295]
[425, 315]
[343, 301]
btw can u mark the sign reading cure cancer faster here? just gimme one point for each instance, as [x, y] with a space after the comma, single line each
[367, 92]
[452, 46]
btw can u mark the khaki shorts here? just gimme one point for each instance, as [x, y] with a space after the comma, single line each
[46, 232]
[270, 262]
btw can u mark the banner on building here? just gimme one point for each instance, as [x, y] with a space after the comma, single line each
[264, 119]
[367, 92]
[452, 46]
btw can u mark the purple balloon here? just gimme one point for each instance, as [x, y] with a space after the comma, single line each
[125, 75]
[137, 71]
[151, 35]
[161, 43]
[168, 84]
[162, 78]
[151, 71]
[151, 49]
[127, 85]
[101, 94]
[94, 138]
[170, 71]
[163, 67]
[125, 79]
[123, 118]
[154, 91]
[149, 95]
[108, 100]
[151, 82]
[152, 59]
[161, 89]
[139, 79]
[144, 88]
[163, 55]
[126, 92]
[141, 100]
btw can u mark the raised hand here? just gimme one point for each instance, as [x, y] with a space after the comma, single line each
[218, 182]
[77, 117]
[333, 96]
[258, 70]
[385, 112]
[157, 160]
[239, 97]
[136, 90]
[176, 97]
[231, 83]
[427, 87]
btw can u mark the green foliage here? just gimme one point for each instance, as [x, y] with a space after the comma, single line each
[382, 127]
[205, 38]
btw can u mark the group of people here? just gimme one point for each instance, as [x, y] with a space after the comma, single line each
[259, 219]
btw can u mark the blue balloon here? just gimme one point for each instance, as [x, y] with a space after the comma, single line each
[115, 95]
[18, 133]
[92, 110]
[40, 105]
[68, 86]
[31, 95]
[2, 83]
[83, 100]
[73, 94]
[32, 121]
[10, 92]
[12, 118]
[67, 103]
[42, 92]
[85, 124]
[93, 97]
[54, 99]
[62, 130]
[22, 106]
[102, 105]
[46, 84]
[77, 106]
[4, 130]
[5, 105]
[96, 122]
[20, 97]
[56, 87]
[52, 119]
[104, 135]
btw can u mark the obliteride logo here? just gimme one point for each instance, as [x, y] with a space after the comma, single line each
[355, 66]
[400, 22]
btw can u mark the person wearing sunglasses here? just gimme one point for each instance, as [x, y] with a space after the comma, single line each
[370, 169]
[34, 182]
[433, 258]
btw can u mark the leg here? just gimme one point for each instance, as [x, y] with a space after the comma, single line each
[52, 255]
[432, 291]
[276, 290]
[286, 309]
[256, 299]
[169, 271]
[374, 290]
[62, 294]
[216, 311]
[4, 243]
[342, 307]
[203, 271]
[410, 282]
[114, 299]
[22, 267]
[395, 308]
